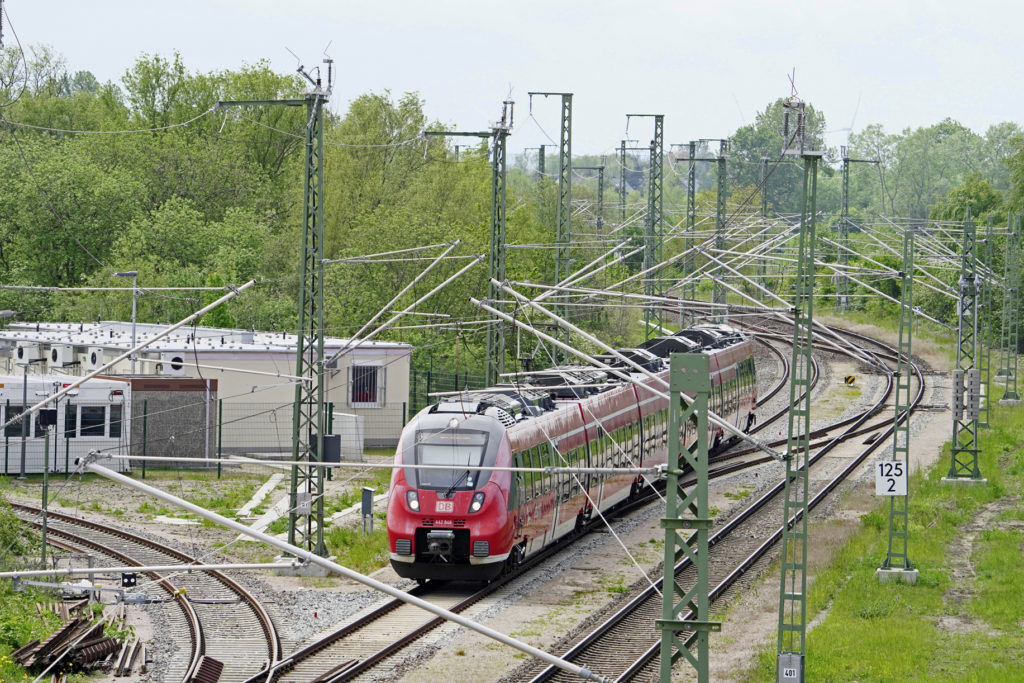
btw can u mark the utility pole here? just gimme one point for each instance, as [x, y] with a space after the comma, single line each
[964, 462]
[653, 234]
[306, 499]
[685, 510]
[897, 563]
[1011, 289]
[496, 258]
[563, 232]
[134, 275]
[792, 636]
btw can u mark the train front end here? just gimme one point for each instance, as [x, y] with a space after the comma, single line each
[447, 520]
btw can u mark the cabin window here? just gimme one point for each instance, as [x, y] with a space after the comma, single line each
[93, 419]
[115, 422]
[366, 385]
[14, 429]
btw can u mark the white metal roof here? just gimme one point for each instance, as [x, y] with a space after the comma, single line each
[118, 335]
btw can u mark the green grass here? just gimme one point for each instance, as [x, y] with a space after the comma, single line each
[364, 553]
[890, 632]
[19, 623]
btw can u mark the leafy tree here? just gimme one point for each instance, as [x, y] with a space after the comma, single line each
[764, 138]
[986, 203]
[60, 212]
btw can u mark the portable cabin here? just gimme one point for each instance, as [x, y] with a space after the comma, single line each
[93, 417]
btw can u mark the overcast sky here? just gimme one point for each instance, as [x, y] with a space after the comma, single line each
[708, 66]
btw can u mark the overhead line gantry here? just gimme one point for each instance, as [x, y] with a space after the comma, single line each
[306, 500]
[653, 233]
[496, 256]
[563, 233]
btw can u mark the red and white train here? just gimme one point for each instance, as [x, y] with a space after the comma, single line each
[458, 523]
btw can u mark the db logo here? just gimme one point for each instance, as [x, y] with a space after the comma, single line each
[445, 506]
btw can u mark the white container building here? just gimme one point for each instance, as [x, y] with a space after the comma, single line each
[93, 417]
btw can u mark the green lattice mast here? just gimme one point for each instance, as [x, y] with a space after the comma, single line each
[985, 323]
[1011, 280]
[306, 500]
[563, 231]
[964, 461]
[897, 557]
[718, 294]
[686, 510]
[653, 234]
[793, 585]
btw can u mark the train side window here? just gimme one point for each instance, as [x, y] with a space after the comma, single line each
[550, 458]
[521, 478]
[523, 460]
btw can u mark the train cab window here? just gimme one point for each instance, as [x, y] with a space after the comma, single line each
[455, 449]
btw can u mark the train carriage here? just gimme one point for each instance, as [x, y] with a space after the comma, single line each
[453, 522]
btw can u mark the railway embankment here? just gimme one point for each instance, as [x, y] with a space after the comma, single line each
[962, 620]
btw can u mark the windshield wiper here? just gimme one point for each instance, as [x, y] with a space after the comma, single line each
[455, 484]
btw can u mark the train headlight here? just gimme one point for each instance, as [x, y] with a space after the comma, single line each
[413, 499]
[477, 502]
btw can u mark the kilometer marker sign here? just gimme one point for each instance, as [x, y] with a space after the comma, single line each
[890, 478]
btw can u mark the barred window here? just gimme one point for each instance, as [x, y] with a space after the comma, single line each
[366, 385]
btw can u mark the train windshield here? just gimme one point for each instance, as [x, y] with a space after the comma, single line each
[456, 450]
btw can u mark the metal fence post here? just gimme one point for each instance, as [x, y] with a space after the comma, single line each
[220, 433]
[330, 430]
[7, 450]
[67, 440]
[145, 414]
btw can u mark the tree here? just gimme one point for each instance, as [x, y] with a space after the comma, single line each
[986, 203]
[764, 138]
[60, 211]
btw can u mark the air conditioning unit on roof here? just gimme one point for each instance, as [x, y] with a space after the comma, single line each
[94, 357]
[61, 355]
[26, 352]
[171, 364]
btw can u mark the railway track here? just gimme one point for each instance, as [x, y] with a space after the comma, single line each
[216, 617]
[626, 646]
[359, 646]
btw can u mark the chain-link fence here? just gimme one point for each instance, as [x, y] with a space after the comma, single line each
[422, 383]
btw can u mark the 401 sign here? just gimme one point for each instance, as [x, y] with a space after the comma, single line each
[890, 478]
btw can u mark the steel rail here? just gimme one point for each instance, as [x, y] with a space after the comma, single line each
[650, 593]
[265, 622]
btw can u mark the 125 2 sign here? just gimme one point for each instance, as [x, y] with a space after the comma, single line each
[890, 478]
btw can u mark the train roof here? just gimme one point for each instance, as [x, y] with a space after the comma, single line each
[536, 392]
